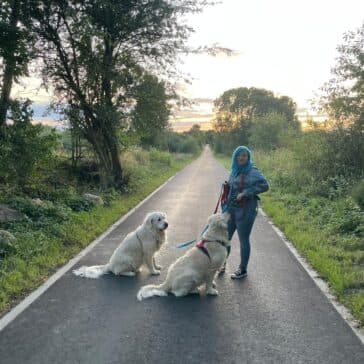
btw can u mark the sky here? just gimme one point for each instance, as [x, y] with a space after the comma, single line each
[286, 46]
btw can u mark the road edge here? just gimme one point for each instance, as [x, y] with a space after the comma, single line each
[320, 283]
[28, 300]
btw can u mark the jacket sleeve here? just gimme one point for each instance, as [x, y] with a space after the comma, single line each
[259, 185]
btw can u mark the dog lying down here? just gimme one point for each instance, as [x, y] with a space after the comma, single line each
[197, 266]
[136, 249]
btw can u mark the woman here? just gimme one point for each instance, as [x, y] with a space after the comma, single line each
[244, 184]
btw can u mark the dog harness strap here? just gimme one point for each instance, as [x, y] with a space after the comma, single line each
[200, 245]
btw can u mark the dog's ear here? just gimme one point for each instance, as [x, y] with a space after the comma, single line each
[221, 221]
[148, 221]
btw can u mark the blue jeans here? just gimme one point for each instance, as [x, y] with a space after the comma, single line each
[242, 220]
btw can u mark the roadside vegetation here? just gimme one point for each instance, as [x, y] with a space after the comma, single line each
[316, 176]
[111, 69]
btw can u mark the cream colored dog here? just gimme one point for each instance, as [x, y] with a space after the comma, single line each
[198, 266]
[136, 249]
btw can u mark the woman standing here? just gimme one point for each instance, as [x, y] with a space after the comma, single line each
[244, 184]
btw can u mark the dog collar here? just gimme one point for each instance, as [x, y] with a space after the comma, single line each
[201, 245]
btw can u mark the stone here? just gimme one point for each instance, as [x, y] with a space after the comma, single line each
[7, 241]
[97, 200]
[9, 214]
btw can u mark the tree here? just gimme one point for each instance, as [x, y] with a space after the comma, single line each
[16, 49]
[343, 95]
[343, 100]
[267, 131]
[151, 113]
[25, 150]
[95, 51]
[237, 108]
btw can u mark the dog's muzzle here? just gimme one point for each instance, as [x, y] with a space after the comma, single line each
[165, 226]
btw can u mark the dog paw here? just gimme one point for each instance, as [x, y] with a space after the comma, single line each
[212, 292]
[127, 274]
[155, 272]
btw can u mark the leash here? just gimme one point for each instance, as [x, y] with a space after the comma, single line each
[187, 243]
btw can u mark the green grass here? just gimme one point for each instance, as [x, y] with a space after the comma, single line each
[327, 232]
[46, 243]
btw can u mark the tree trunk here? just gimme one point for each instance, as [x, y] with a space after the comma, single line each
[9, 68]
[110, 143]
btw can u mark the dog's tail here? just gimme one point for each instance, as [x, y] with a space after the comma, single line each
[95, 271]
[152, 290]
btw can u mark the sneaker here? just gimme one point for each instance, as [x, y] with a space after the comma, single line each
[238, 274]
[222, 269]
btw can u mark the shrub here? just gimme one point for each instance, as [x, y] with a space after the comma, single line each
[159, 156]
[358, 194]
[24, 148]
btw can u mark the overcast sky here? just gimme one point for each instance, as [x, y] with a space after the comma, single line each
[286, 46]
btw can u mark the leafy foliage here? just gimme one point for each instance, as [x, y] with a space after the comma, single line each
[24, 149]
[151, 113]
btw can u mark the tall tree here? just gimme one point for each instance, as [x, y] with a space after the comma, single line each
[151, 113]
[237, 108]
[343, 95]
[343, 100]
[94, 51]
[16, 49]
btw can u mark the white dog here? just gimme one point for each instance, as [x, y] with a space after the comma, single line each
[136, 249]
[198, 266]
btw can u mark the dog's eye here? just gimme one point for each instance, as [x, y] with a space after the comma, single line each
[159, 219]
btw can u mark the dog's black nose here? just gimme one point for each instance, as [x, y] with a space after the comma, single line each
[166, 225]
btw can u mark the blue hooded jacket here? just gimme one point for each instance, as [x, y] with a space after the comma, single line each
[254, 181]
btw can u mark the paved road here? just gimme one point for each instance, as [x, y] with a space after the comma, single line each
[276, 315]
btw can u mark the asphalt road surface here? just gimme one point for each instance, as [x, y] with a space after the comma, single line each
[276, 315]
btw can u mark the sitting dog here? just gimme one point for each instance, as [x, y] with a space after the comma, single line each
[198, 266]
[136, 249]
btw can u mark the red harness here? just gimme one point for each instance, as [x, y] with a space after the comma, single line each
[201, 245]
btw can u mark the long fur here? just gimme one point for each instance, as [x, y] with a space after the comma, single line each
[194, 268]
[138, 248]
[95, 271]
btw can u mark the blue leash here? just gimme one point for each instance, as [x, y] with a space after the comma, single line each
[187, 243]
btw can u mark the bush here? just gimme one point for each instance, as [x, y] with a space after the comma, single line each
[358, 194]
[182, 143]
[189, 145]
[37, 210]
[270, 131]
[25, 150]
[160, 157]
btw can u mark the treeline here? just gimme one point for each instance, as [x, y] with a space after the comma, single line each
[106, 62]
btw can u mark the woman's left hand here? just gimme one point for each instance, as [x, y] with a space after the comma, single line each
[240, 196]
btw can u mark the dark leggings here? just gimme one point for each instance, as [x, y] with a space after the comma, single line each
[242, 220]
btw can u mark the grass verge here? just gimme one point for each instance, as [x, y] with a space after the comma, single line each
[44, 243]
